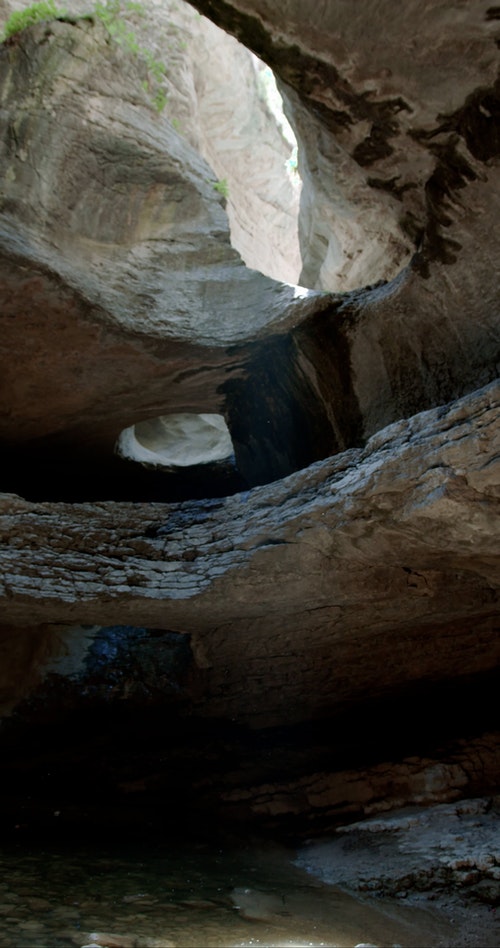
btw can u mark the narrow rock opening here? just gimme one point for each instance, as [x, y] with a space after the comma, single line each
[177, 441]
[294, 404]
[316, 222]
[248, 141]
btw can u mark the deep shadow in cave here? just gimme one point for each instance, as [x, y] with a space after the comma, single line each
[40, 472]
[152, 763]
[292, 405]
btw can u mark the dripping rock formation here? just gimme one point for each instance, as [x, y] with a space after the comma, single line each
[300, 629]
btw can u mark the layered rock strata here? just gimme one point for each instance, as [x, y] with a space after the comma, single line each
[404, 529]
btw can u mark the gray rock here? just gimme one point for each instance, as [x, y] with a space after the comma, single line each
[414, 850]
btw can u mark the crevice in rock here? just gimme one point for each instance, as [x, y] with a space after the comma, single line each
[295, 404]
[47, 471]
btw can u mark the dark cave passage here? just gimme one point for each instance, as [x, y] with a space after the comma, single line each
[292, 405]
[41, 473]
[152, 763]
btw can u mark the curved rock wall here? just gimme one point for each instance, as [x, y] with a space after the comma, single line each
[381, 92]
[212, 98]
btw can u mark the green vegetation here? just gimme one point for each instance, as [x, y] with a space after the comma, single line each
[156, 68]
[114, 15]
[160, 100]
[222, 187]
[20, 19]
[111, 15]
[175, 123]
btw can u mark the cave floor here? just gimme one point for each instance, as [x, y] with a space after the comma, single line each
[220, 893]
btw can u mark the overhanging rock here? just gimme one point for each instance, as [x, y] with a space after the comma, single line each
[367, 570]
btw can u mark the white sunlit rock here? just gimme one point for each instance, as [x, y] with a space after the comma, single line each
[178, 440]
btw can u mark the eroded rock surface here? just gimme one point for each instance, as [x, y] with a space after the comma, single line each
[115, 240]
[114, 243]
[369, 569]
[392, 108]
[211, 94]
[432, 850]
[369, 575]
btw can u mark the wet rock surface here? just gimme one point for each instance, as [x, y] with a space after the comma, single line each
[216, 894]
[446, 856]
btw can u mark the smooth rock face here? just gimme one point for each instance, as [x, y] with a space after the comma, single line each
[212, 96]
[244, 145]
[369, 577]
[134, 196]
[350, 234]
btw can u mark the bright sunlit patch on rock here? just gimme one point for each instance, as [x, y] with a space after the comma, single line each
[180, 440]
[300, 292]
